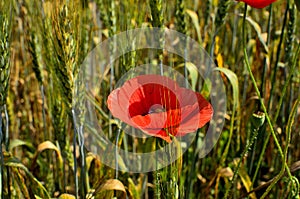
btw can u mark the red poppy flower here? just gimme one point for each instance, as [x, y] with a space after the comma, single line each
[258, 3]
[159, 107]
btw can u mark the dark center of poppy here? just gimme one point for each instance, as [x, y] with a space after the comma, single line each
[156, 108]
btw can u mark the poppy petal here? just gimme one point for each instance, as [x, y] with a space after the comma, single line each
[158, 133]
[117, 106]
[201, 117]
[159, 107]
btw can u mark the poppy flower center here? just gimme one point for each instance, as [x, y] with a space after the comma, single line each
[156, 108]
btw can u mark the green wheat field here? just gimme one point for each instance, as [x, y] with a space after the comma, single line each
[43, 153]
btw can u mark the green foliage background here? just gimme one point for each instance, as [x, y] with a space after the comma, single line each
[42, 44]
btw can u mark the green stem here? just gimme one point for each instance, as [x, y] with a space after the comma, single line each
[287, 82]
[192, 172]
[273, 82]
[1, 157]
[288, 140]
[224, 155]
[74, 154]
[263, 106]
[46, 137]
[83, 178]
[277, 114]
[7, 148]
[259, 96]
[248, 146]
[261, 157]
[263, 77]
[116, 153]
[157, 172]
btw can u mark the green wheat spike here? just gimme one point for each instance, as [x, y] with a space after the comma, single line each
[5, 29]
[34, 41]
[64, 46]
[223, 7]
[104, 16]
[180, 16]
[59, 126]
[157, 21]
[207, 11]
[113, 19]
[35, 51]
[156, 12]
[5, 54]
[291, 29]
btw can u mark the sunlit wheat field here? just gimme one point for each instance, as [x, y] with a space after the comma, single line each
[117, 99]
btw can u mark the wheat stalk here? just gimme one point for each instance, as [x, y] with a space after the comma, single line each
[5, 31]
[70, 48]
[62, 23]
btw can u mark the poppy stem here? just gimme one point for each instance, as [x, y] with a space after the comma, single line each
[157, 173]
[285, 166]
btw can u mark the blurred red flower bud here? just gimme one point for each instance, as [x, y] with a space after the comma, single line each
[258, 3]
